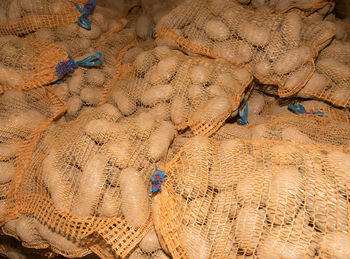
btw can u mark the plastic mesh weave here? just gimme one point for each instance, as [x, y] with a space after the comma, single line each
[277, 49]
[231, 198]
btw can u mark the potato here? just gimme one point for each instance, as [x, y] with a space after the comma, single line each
[216, 30]
[74, 104]
[92, 34]
[297, 79]
[339, 96]
[144, 27]
[131, 55]
[262, 69]
[156, 94]
[110, 204]
[99, 20]
[213, 110]
[25, 229]
[29, 119]
[337, 50]
[150, 242]
[197, 159]
[90, 187]
[253, 188]
[179, 110]
[95, 77]
[160, 141]
[145, 122]
[283, 5]
[256, 35]
[249, 228]
[337, 71]
[91, 95]
[100, 130]
[199, 74]
[335, 245]
[256, 103]
[216, 90]
[260, 132]
[125, 103]
[134, 197]
[165, 70]
[119, 151]
[223, 207]
[161, 52]
[341, 32]
[143, 62]
[294, 135]
[236, 51]
[316, 85]
[291, 29]
[292, 59]
[109, 111]
[14, 10]
[75, 83]
[57, 240]
[229, 82]
[161, 111]
[7, 170]
[194, 244]
[286, 195]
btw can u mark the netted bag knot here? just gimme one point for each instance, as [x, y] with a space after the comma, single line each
[243, 114]
[300, 109]
[88, 9]
[158, 179]
[66, 67]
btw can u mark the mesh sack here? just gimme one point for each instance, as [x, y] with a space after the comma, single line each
[283, 6]
[193, 92]
[21, 17]
[31, 63]
[305, 128]
[277, 49]
[84, 88]
[236, 198]
[88, 179]
[331, 80]
[21, 113]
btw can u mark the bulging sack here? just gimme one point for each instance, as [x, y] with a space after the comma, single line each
[194, 92]
[88, 180]
[30, 63]
[20, 17]
[237, 198]
[276, 48]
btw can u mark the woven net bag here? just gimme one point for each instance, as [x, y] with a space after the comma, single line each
[239, 198]
[21, 114]
[19, 17]
[277, 49]
[331, 80]
[194, 92]
[30, 63]
[88, 180]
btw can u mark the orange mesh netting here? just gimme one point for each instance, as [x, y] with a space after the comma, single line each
[331, 80]
[20, 17]
[89, 180]
[276, 48]
[236, 198]
[20, 114]
[305, 128]
[30, 63]
[194, 92]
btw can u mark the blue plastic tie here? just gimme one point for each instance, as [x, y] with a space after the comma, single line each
[157, 179]
[89, 8]
[299, 109]
[69, 66]
[244, 114]
[153, 27]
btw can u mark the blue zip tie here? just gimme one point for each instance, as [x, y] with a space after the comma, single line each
[157, 179]
[89, 8]
[244, 114]
[153, 27]
[66, 67]
[299, 109]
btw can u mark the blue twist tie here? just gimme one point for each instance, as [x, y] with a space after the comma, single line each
[244, 114]
[69, 66]
[157, 179]
[89, 8]
[299, 109]
[153, 27]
